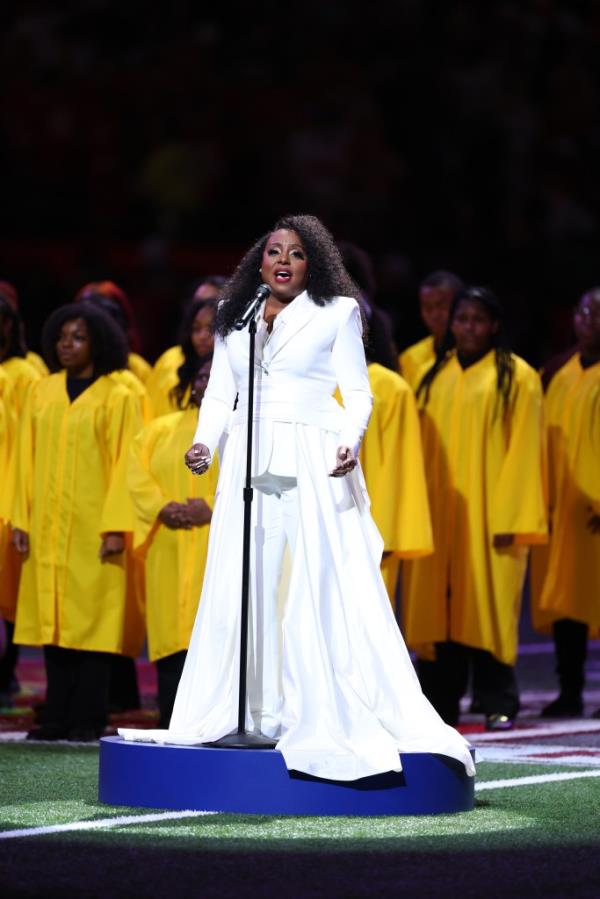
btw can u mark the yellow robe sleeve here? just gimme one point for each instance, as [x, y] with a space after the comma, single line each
[392, 461]
[7, 440]
[148, 498]
[124, 421]
[519, 505]
[588, 468]
[21, 464]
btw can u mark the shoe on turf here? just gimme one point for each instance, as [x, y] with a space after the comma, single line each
[47, 732]
[498, 721]
[563, 707]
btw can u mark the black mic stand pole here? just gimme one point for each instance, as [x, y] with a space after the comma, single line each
[241, 739]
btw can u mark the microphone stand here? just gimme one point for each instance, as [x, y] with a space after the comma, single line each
[240, 738]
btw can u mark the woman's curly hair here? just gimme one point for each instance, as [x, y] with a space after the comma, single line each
[188, 369]
[505, 364]
[327, 277]
[107, 341]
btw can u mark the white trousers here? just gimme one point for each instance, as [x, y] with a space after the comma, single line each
[275, 519]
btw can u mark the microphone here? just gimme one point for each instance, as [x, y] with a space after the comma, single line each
[261, 294]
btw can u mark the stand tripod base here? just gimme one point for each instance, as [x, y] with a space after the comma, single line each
[243, 740]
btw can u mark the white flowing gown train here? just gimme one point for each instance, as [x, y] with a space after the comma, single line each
[329, 674]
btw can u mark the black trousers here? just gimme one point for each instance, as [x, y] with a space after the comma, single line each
[570, 645]
[124, 692]
[445, 681]
[169, 670]
[8, 662]
[77, 688]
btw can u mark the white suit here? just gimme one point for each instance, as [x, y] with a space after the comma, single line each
[330, 675]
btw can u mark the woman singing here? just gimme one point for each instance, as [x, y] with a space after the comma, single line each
[328, 673]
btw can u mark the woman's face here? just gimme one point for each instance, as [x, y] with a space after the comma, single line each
[284, 267]
[73, 348]
[200, 382]
[473, 328]
[435, 303]
[202, 336]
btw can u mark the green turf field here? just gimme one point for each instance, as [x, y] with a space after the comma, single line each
[525, 839]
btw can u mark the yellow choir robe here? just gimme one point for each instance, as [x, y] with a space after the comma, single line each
[415, 360]
[485, 477]
[38, 363]
[392, 461]
[9, 558]
[566, 573]
[71, 490]
[138, 365]
[20, 375]
[7, 427]
[174, 559]
[162, 379]
[131, 381]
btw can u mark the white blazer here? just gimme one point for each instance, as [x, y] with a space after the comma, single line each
[312, 349]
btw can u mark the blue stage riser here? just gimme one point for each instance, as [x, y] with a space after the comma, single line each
[249, 781]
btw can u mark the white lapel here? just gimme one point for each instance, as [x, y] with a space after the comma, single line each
[302, 311]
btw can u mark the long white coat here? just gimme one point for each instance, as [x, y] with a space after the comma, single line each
[351, 698]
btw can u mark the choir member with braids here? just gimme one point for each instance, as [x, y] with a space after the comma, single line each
[482, 442]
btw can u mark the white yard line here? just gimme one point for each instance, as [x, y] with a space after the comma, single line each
[157, 817]
[100, 824]
[534, 779]
[19, 736]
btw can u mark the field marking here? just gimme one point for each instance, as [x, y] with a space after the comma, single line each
[547, 730]
[540, 754]
[156, 817]
[534, 779]
[120, 820]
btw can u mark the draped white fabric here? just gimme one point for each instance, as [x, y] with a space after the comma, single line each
[329, 675]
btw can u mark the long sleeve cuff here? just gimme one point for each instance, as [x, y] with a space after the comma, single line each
[212, 422]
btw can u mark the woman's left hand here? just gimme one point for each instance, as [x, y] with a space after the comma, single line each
[501, 541]
[593, 523]
[345, 461]
[112, 544]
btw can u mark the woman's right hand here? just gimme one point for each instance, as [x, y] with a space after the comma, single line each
[175, 516]
[197, 458]
[20, 540]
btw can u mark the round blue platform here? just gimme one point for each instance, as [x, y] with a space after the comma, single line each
[251, 781]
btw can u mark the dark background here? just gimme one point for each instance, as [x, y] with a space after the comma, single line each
[151, 144]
